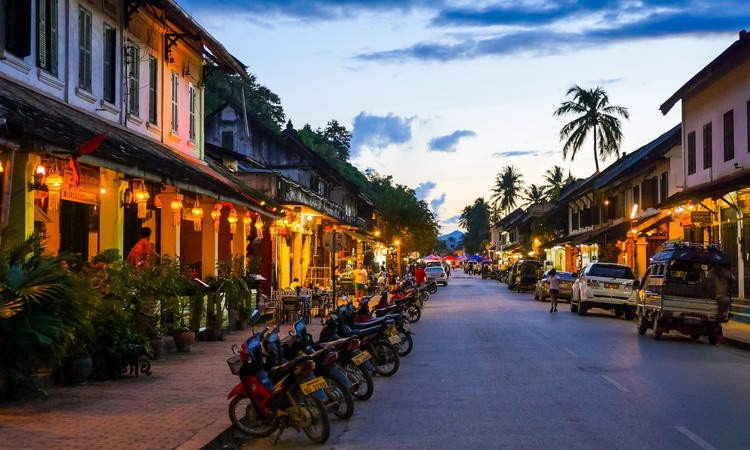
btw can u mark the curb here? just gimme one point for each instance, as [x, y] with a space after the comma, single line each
[206, 435]
[737, 343]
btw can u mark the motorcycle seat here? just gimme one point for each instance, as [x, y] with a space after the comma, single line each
[278, 371]
[369, 323]
[365, 331]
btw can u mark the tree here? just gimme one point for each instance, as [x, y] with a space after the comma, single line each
[535, 195]
[594, 116]
[338, 136]
[556, 182]
[475, 220]
[508, 187]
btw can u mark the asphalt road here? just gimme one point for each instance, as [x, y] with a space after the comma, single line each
[494, 369]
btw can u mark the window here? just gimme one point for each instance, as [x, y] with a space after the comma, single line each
[708, 136]
[227, 139]
[47, 35]
[18, 27]
[663, 187]
[153, 80]
[175, 104]
[109, 55]
[637, 195]
[691, 152]
[133, 64]
[192, 105]
[610, 271]
[84, 49]
[575, 220]
[729, 135]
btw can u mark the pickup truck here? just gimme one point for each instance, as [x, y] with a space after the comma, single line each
[677, 292]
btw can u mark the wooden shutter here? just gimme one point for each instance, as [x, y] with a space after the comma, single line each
[42, 33]
[18, 27]
[691, 153]
[153, 79]
[708, 152]
[108, 63]
[729, 135]
[84, 49]
[52, 44]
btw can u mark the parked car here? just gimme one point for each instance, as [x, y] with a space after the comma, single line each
[677, 292]
[524, 274]
[566, 286]
[605, 285]
[438, 274]
[433, 263]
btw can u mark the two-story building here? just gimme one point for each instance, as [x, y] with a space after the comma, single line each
[315, 197]
[716, 148]
[101, 131]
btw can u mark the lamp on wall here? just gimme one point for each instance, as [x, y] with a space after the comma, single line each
[259, 227]
[197, 215]
[232, 219]
[176, 207]
[54, 184]
[216, 215]
[141, 197]
[246, 222]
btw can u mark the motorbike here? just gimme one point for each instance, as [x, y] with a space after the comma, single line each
[372, 339]
[268, 400]
[363, 319]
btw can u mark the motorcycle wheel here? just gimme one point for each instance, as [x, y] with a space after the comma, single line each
[385, 359]
[340, 395]
[319, 428]
[432, 289]
[413, 313]
[362, 384]
[244, 416]
[406, 345]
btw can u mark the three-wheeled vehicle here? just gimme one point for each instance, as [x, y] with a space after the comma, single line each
[678, 292]
[524, 274]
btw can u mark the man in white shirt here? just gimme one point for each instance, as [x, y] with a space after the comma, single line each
[554, 289]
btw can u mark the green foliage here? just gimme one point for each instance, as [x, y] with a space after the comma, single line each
[508, 187]
[475, 220]
[535, 195]
[261, 103]
[595, 116]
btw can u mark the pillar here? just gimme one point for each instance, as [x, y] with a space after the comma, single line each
[306, 255]
[209, 239]
[641, 262]
[21, 210]
[170, 222]
[239, 239]
[297, 255]
[283, 261]
[111, 211]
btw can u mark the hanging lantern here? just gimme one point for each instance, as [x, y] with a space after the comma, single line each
[246, 221]
[176, 206]
[54, 184]
[259, 228]
[232, 219]
[197, 215]
[216, 215]
[141, 196]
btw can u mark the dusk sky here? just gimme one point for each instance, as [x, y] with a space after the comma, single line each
[442, 94]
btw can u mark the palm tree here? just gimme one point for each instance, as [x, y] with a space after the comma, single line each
[508, 186]
[535, 195]
[594, 115]
[556, 181]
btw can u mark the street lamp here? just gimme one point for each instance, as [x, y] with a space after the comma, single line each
[397, 243]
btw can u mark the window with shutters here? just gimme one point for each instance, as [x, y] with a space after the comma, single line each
[691, 152]
[708, 153]
[84, 49]
[133, 55]
[17, 25]
[109, 67]
[175, 102]
[192, 108]
[153, 93]
[729, 135]
[575, 220]
[47, 35]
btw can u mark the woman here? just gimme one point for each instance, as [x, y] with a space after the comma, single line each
[554, 289]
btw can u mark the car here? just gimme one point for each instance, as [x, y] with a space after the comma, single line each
[438, 274]
[523, 274]
[433, 264]
[567, 279]
[607, 286]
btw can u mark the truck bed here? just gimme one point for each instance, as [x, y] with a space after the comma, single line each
[688, 306]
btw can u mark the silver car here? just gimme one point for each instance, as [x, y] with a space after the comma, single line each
[438, 274]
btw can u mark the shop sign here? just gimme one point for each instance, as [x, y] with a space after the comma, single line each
[701, 218]
[328, 240]
[88, 189]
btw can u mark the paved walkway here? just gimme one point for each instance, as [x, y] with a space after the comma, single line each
[737, 333]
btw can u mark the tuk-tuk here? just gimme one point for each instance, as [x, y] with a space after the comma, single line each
[679, 292]
[524, 274]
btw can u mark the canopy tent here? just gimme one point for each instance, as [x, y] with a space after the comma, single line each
[451, 258]
[462, 258]
[476, 258]
[432, 258]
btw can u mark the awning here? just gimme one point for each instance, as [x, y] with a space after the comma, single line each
[44, 124]
[614, 232]
[739, 180]
[361, 237]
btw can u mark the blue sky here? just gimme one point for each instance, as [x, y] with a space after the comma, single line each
[442, 94]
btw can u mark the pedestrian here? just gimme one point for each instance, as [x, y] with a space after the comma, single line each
[360, 277]
[720, 279]
[554, 289]
[142, 254]
[448, 270]
[420, 275]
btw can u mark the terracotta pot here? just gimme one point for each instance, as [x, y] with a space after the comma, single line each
[78, 369]
[184, 340]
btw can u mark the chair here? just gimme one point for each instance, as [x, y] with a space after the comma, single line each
[289, 308]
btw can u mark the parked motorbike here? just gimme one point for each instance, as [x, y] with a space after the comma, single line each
[268, 400]
[363, 318]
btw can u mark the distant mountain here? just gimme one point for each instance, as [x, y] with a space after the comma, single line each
[453, 240]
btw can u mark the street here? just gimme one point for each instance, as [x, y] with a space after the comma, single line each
[494, 369]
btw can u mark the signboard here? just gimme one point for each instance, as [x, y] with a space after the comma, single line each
[328, 241]
[88, 189]
[696, 219]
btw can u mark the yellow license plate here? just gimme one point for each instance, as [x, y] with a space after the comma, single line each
[362, 357]
[394, 340]
[392, 329]
[313, 385]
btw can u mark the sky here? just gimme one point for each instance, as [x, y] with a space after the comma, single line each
[442, 94]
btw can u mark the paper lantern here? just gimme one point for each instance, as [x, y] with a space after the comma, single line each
[259, 228]
[197, 215]
[54, 184]
[232, 219]
[176, 207]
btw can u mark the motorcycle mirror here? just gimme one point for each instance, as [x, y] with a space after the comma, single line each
[255, 316]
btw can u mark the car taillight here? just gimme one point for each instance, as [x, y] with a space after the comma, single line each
[593, 283]
[352, 345]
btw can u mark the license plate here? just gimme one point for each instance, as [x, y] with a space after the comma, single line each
[313, 385]
[362, 357]
[611, 285]
[394, 340]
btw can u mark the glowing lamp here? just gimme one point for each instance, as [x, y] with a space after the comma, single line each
[232, 219]
[141, 197]
[259, 228]
[197, 215]
[54, 185]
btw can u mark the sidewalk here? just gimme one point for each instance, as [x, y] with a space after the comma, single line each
[737, 334]
[182, 405]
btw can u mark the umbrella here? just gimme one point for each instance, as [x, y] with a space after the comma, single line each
[432, 258]
[451, 258]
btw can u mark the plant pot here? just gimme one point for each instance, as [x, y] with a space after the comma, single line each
[78, 369]
[214, 334]
[168, 344]
[157, 347]
[184, 340]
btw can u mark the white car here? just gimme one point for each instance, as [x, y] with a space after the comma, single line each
[438, 274]
[607, 286]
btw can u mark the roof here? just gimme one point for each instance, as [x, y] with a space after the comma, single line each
[60, 128]
[732, 57]
[510, 218]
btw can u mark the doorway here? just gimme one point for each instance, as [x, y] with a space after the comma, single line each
[79, 229]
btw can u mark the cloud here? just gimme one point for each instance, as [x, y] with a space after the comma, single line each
[451, 220]
[378, 132]
[540, 32]
[436, 203]
[515, 153]
[449, 142]
[424, 189]
[311, 9]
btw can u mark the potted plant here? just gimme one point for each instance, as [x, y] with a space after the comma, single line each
[235, 290]
[183, 336]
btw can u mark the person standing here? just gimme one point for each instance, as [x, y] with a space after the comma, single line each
[142, 254]
[360, 279]
[420, 275]
[554, 289]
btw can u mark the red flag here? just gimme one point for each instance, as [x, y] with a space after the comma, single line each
[86, 148]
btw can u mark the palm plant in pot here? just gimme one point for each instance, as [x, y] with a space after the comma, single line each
[235, 289]
[184, 337]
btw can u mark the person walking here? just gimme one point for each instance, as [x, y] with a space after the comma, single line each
[142, 254]
[360, 279]
[554, 289]
[420, 276]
